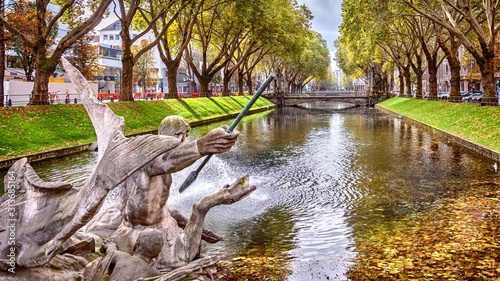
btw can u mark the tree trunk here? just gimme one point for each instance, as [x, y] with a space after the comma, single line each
[127, 80]
[203, 89]
[455, 77]
[432, 72]
[419, 74]
[432, 69]
[401, 81]
[488, 79]
[172, 66]
[407, 76]
[127, 66]
[451, 54]
[45, 68]
[249, 83]
[172, 84]
[225, 84]
[40, 92]
[172, 79]
[240, 84]
[485, 62]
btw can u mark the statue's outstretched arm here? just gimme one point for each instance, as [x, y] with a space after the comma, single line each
[229, 194]
[182, 221]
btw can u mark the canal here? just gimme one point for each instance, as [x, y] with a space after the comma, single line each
[323, 174]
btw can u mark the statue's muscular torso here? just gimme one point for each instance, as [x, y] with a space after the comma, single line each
[149, 195]
[146, 192]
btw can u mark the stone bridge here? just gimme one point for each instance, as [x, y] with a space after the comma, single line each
[356, 98]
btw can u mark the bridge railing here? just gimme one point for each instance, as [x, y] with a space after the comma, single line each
[339, 93]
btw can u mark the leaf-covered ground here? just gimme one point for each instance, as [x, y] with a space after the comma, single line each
[458, 240]
[256, 268]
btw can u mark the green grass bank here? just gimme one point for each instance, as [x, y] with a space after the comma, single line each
[477, 124]
[34, 129]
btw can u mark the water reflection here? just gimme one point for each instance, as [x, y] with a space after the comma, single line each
[322, 179]
[327, 105]
[270, 234]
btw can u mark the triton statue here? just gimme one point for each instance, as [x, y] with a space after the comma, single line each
[44, 217]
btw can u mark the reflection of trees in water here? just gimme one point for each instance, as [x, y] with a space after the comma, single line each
[404, 172]
[270, 234]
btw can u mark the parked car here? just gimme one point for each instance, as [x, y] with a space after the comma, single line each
[477, 96]
[443, 95]
[466, 96]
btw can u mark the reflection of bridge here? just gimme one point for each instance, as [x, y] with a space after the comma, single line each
[357, 98]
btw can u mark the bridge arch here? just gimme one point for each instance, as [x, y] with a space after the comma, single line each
[360, 99]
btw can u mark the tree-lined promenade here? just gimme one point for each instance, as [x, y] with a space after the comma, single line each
[216, 40]
[413, 38]
[411, 247]
[34, 129]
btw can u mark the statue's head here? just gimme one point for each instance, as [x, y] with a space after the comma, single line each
[174, 126]
[149, 243]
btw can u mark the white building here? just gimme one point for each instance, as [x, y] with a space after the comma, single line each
[338, 74]
[107, 37]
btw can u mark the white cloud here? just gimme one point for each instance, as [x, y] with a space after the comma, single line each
[327, 19]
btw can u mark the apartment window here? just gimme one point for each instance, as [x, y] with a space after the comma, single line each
[105, 37]
[447, 69]
[117, 37]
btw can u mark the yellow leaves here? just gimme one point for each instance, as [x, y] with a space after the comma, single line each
[439, 256]
[253, 268]
[390, 252]
[459, 239]
[409, 265]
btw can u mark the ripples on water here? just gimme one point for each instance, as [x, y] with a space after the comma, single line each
[321, 177]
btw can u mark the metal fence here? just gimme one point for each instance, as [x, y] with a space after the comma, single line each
[490, 101]
[53, 98]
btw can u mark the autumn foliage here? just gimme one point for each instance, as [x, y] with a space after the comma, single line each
[253, 268]
[22, 16]
[458, 240]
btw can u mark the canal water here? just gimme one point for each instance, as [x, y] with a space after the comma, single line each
[323, 174]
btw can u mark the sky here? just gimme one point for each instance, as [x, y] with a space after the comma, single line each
[327, 19]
